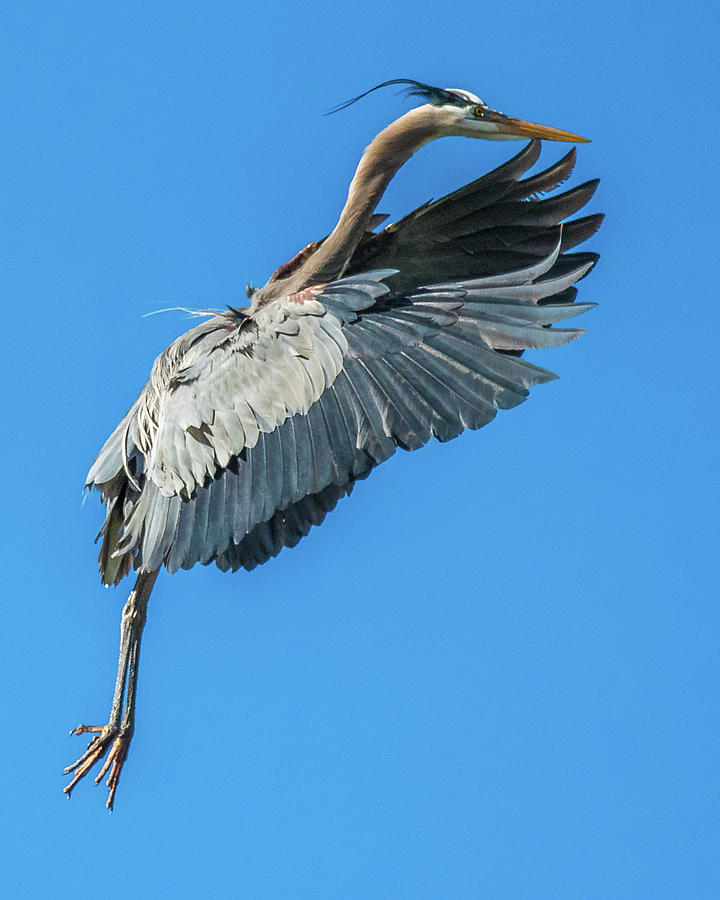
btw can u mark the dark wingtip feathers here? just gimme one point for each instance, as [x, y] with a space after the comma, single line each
[579, 230]
[547, 180]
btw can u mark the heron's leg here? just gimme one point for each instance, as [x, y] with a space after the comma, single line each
[113, 740]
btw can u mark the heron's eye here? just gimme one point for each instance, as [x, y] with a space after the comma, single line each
[479, 112]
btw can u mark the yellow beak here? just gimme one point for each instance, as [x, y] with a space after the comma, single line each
[520, 128]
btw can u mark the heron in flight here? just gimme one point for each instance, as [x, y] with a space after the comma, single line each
[257, 421]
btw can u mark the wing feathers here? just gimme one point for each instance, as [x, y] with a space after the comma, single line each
[413, 368]
[255, 423]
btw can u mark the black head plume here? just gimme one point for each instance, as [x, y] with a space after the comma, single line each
[431, 94]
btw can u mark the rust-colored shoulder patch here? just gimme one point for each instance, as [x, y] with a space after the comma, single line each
[306, 295]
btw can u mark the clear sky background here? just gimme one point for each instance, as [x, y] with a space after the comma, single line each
[493, 672]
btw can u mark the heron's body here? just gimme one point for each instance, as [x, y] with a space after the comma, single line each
[258, 420]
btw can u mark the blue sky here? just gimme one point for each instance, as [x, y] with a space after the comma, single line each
[493, 671]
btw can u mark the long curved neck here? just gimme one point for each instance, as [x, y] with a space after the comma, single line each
[391, 149]
[378, 164]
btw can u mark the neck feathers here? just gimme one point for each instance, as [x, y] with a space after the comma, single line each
[382, 158]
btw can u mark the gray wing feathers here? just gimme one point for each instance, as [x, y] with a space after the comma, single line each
[254, 424]
[110, 459]
[218, 404]
[418, 367]
[285, 529]
[314, 451]
[384, 372]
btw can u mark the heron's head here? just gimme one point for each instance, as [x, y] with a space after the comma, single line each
[458, 112]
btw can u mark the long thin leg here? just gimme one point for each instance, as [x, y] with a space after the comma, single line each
[113, 740]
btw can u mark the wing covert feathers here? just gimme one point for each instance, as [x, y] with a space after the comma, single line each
[256, 422]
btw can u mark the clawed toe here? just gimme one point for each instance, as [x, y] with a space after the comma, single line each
[109, 742]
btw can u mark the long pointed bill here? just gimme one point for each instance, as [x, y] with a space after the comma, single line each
[519, 128]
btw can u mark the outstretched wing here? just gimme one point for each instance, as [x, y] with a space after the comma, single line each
[498, 223]
[261, 428]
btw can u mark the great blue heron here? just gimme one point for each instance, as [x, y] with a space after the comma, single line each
[258, 420]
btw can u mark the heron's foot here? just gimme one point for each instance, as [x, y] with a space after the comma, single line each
[111, 742]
